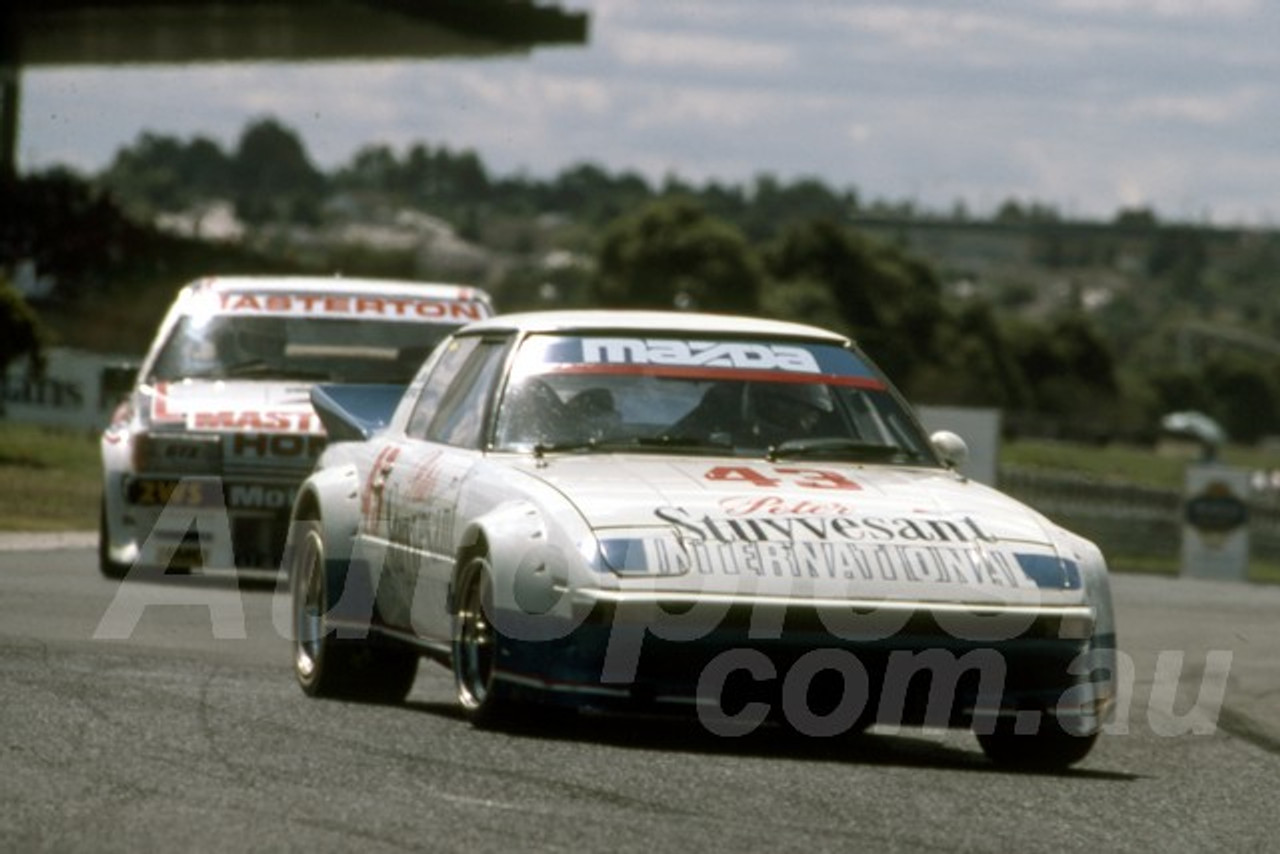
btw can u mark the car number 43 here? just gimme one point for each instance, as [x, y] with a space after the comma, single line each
[805, 478]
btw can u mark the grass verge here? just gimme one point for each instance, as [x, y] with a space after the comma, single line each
[51, 479]
[1162, 468]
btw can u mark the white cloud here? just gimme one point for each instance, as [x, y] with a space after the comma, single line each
[919, 28]
[1017, 37]
[1208, 109]
[523, 90]
[1214, 9]
[713, 108]
[699, 51]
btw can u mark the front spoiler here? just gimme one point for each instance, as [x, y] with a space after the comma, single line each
[937, 664]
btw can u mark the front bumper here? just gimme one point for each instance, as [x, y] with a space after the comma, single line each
[898, 663]
[201, 522]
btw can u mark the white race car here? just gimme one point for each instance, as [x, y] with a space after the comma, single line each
[733, 517]
[202, 459]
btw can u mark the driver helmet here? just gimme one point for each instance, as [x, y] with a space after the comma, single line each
[792, 407]
[252, 339]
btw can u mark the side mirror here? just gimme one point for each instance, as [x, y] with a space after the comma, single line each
[950, 447]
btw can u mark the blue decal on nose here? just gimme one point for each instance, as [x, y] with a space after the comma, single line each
[1050, 571]
[624, 555]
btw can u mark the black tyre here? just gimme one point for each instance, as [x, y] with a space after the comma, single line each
[324, 665]
[477, 645]
[108, 567]
[1050, 748]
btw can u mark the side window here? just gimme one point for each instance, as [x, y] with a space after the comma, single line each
[459, 419]
[442, 375]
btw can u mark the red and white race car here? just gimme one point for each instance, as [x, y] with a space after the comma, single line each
[733, 517]
[202, 460]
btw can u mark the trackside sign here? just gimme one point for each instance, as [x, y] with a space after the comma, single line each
[69, 394]
[1215, 530]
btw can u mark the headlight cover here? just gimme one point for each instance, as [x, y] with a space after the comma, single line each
[640, 552]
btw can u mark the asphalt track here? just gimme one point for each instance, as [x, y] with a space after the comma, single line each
[187, 733]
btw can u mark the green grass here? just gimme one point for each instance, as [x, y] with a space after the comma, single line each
[1120, 463]
[49, 480]
[1266, 571]
[1163, 467]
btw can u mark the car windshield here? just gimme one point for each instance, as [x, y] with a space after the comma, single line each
[783, 399]
[226, 346]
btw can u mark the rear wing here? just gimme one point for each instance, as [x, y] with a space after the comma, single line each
[353, 413]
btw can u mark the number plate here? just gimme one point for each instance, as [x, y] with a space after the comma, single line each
[187, 492]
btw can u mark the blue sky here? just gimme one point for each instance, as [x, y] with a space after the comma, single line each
[1087, 105]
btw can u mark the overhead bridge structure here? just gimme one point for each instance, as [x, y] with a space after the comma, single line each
[61, 33]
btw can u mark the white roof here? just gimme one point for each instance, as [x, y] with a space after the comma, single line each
[334, 285]
[685, 322]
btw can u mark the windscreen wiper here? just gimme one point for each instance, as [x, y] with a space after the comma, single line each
[263, 368]
[543, 448]
[664, 442]
[248, 368]
[681, 443]
[835, 447]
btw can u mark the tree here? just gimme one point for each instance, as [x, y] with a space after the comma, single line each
[1246, 397]
[1179, 260]
[1071, 373]
[776, 205]
[980, 368]
[373, 168]
[76, 236]
[672, 254]
[595, 196]
[1013, 212]
[273, 177]
[442, 178]
[891, 302]
[161, 173]
[803, 301]
[1140, 218]
[1177, 389]
[21, 333]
